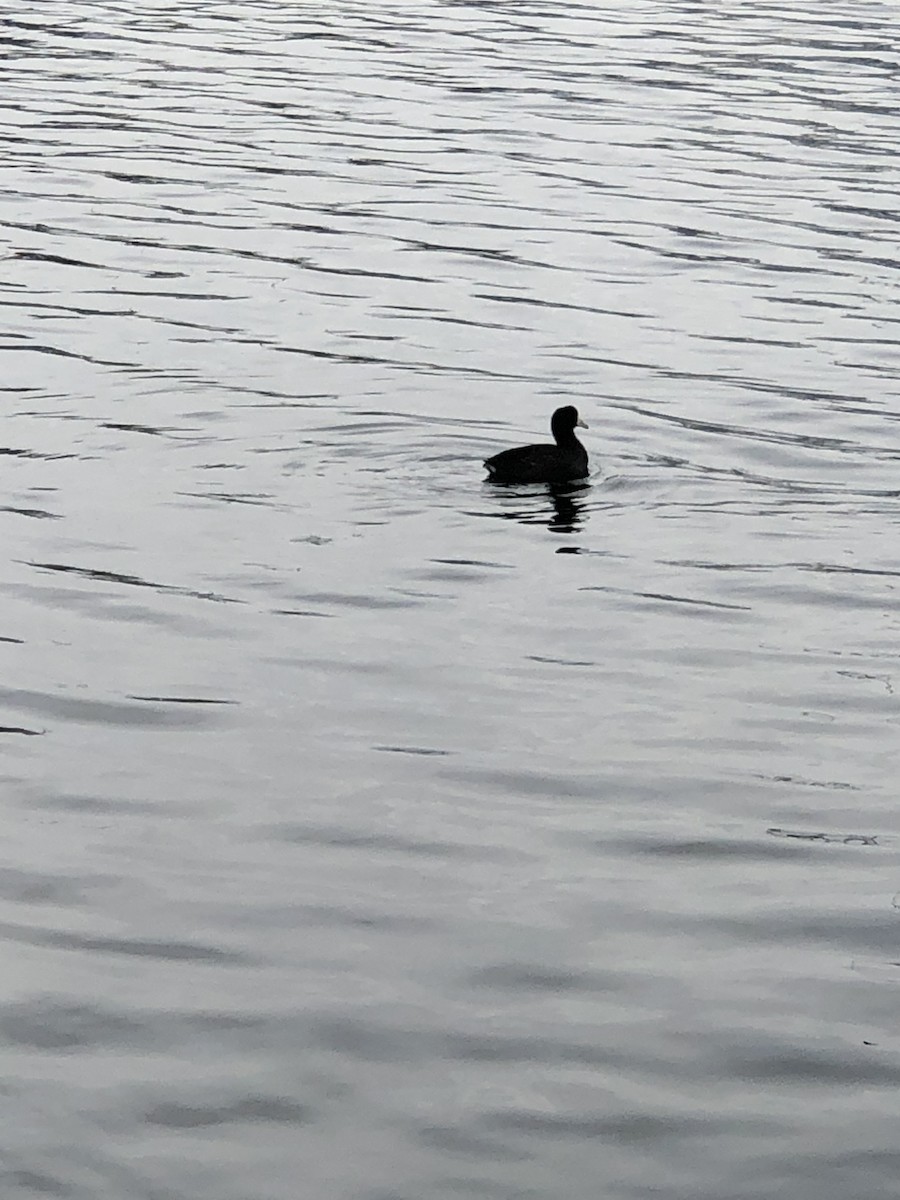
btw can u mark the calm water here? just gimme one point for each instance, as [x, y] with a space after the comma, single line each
[372, 834]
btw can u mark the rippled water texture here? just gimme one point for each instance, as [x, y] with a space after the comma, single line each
[373, 833]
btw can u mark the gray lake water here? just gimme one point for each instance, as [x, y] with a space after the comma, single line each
[373, 833]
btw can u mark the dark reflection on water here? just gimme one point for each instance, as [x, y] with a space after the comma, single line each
[561, 507]
[503, 880]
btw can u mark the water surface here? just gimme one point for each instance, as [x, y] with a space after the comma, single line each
[369, 826]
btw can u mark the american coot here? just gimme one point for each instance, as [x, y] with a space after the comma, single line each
[544, 464]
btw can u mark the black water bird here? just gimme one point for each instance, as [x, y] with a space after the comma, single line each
[544, 464]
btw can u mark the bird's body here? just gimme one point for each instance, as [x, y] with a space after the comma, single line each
[560, 463]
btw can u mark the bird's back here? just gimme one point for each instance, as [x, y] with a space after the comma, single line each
[537, 464]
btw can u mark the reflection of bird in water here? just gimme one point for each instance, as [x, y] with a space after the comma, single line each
[568, 512]
[561, 463]
[568, 506]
